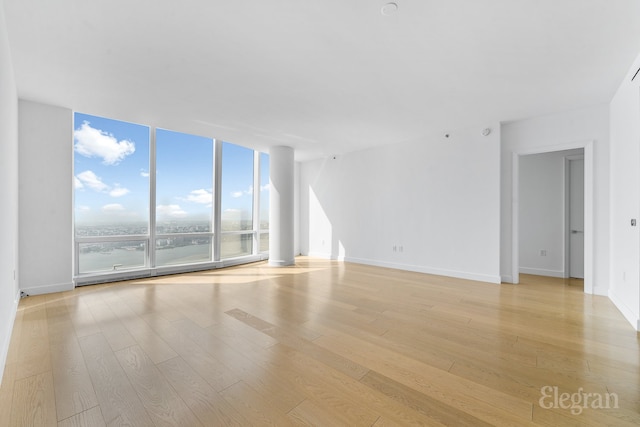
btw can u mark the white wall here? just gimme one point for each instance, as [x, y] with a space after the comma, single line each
[542, 213]
[625, 197]
[437, 201]
[8, 194]
[553, 133]
[45, 198]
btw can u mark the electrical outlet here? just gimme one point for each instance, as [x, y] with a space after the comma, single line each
[543, 252]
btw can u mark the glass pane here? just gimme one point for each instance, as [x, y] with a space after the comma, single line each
[237, 188]
[182, 250]
[264, 242]
[235, 245]
[111, 176]
[265, 186]
[111, 256]
[184, 182]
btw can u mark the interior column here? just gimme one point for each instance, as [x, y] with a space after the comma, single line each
[281, 206]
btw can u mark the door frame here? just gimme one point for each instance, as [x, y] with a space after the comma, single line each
[567, 211]
[587, 145]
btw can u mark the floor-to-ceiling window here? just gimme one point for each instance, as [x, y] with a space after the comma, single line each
[145, 200]
[184, 198]
[237, 201]
[111, 163]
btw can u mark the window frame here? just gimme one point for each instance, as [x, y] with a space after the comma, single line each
[150, 239]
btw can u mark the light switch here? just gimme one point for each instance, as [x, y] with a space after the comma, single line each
[633, 222]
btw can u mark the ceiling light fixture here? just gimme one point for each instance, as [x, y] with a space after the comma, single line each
[389, 9]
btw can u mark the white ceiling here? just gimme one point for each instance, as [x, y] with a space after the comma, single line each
[326, 76]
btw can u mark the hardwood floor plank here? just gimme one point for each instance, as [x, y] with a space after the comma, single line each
[6, 393]
[206, 365]
[143, 335]
[354, 395]
[308, 413]
[111, 327]
[432, 408]
[206, 403]
[283, 394]
[34, 342]
[162, 403]
[14, 355]
[615, 365]
[489, 405]
[255, 408]
[383, 422]
[34, 402]
[343, 364]
[72, 384]
[73, 388]
[429, 354]
[81, 317]
[241, 336]
[118, 400]
[89, 418]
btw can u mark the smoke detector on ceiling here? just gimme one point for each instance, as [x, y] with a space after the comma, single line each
[389, 9]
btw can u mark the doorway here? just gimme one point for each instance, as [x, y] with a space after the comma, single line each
[552, 214]
[588, 230]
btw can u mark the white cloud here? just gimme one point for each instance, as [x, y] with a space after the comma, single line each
[170, 211]
[91, 142]
[201, 196]
[77, 183]
[230, 210]
[92, 181]
[144, 173]
[113, 207]
[265, 187]
[238, 194]
[118, 191]
[83, 208]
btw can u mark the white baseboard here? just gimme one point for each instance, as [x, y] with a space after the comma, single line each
[507, 279]
[429, 270]
[6, 335]
[542, 272]
[625, 310]
[48, 289]
[602, 291]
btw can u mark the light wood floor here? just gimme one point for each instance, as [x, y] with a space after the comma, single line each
[322, 343]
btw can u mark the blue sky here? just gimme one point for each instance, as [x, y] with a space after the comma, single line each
[111, 168]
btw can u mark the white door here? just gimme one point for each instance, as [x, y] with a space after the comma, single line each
[576, 218]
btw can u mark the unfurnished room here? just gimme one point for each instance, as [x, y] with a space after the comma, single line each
[337, 213]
